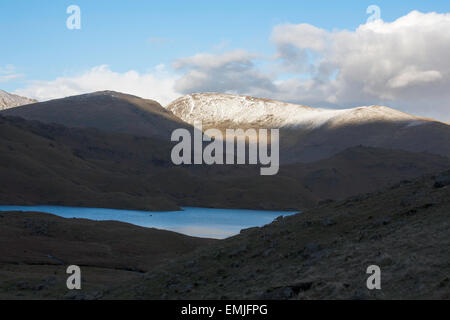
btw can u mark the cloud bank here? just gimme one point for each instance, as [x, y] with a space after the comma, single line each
[156, 84]
[403, 64]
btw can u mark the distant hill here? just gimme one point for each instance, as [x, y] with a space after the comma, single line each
[52, 164]
[361, 170]
[9, 100]
[309, 134]
[106, 110]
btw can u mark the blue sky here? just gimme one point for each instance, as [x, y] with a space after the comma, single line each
[118, 33]
[139, 35]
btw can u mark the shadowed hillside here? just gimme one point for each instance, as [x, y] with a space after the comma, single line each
[323, 253]
[107, 111]
[56, 165]
[37, 248]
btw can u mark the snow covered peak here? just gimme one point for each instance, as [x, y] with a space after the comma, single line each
[9, 100]
[234, 110]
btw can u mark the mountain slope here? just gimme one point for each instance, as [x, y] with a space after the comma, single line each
[28, 236]
[52, 164]
[362, 170]
[9, 100]
[217, 109]
[107, 111]
[323, 253]
[309, 134]
[37, 248]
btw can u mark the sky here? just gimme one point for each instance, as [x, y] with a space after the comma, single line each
[317, 53]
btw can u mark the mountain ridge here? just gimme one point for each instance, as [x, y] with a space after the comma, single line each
[10, 100]
[218, 107]
[50, 164]
[308, 134]
[104, 110]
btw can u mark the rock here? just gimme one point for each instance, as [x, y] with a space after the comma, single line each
[375, 237]
[96, 295]
[282, 293]
[218, 255]
[268, 252]
[40, 287]
[221, 272]
[238, 251]
[286, 292]
[278, 219]
[385, 260]
[190, 264]
[359, 295]
[444, 282]
[310, 249]
[172, 283]
[325, 202]
[442, 180]
[74, 295]
[149, 276]
[328, 222]
[383, 221]
[23, 286]
[235, 264]
[51, 280]
[199, 283]
[248, 230]
[188, 288]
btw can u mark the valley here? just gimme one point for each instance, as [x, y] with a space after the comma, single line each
[371, 183]
[98, 157]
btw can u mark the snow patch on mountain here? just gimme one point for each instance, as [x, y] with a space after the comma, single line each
[218, 109]
[9, 100]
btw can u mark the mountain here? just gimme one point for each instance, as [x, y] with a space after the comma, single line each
[50, 164]
[309, 134]
[358, 170]
[53, 164]
[107, 111]
[219, 109]
[56, 165]
[9, 100]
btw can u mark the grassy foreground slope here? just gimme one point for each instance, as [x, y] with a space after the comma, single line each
[37, 248]
[324, 253]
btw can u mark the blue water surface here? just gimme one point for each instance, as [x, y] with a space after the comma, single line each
[198, 222]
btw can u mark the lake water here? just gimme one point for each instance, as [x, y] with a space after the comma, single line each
[198, 222]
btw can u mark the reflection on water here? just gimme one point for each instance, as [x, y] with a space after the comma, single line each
[199, 222]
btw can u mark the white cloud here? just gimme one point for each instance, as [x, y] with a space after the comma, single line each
[207, 60]
[8, 72]
[403, 64]
[232, 72]
[303, 36]
[157, 85]
[413, 77]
